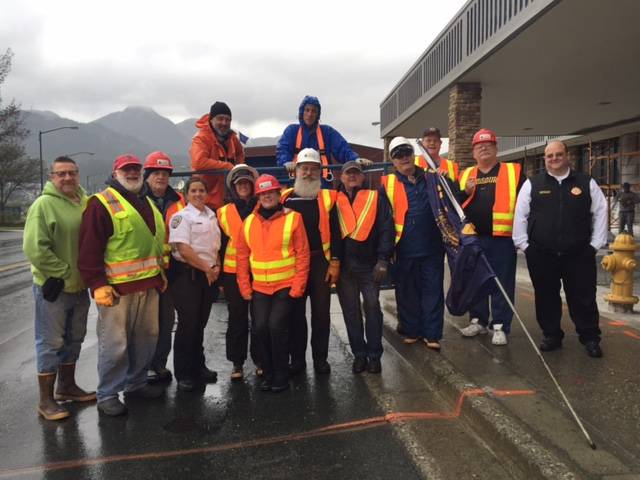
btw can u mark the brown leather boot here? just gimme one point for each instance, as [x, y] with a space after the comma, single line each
[67, 388]
[48, 407]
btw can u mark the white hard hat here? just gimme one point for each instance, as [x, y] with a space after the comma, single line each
[242, 170]
[399, 142]
[308, 155]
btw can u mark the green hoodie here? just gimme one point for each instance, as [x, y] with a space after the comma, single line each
[51, 235]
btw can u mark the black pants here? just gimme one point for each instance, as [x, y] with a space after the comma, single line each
[319, 292]
[239, 326]
[349, 287]
[271, 321]
[577, 271]
[192, 298]
[166, 319]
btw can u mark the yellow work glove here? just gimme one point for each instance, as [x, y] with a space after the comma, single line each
[333, 271]
[104, 296]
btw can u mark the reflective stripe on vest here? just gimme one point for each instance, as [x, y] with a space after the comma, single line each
[326, 201]
[506, 192]
[398, 200]
[133, 253]
[231, 224]
[447, 167]
[272, 259]
[363, 211]
[173, 209]
[321, 150]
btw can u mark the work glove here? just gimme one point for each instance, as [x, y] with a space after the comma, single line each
[333, 272]
[380, 271]
[364, 162]
[290, 167]
[105, 296]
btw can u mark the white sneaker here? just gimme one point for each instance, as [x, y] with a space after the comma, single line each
[473, 329]
[499, 337]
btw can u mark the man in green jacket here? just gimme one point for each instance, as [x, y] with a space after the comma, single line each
[50, 243]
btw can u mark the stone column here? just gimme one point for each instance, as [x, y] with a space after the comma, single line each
[386, 157]
[464, 121]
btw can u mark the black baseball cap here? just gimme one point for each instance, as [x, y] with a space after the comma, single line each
[432, 131]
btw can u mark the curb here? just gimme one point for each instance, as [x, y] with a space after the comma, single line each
[486, 417]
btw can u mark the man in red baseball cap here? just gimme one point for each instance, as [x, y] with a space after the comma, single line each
[122, 239]
[490, 190]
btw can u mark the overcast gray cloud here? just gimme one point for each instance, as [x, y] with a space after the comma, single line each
[85, 59]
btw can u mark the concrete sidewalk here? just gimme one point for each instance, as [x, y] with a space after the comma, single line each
[538, 428]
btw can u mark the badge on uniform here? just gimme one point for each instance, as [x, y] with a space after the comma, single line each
[175, 221]
[576, 191]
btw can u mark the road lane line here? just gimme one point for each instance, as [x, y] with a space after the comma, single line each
[12, 266]
[355, 425]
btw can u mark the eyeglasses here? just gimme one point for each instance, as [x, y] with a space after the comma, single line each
[66, 173]
[402, 152]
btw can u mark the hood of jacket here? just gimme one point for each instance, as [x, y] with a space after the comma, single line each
[50, 189]
[206, 130]
[308, 100]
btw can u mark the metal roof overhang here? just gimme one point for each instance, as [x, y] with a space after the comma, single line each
[562, 67]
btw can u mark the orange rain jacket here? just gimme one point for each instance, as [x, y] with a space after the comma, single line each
[207, 153]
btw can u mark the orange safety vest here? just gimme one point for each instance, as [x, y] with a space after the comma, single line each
[504, 205]
[272, 259]
[326, 201]
[357, 219]
[173, 209]
[231, 224]
[398, 199]
[323, 154]
[447, 167]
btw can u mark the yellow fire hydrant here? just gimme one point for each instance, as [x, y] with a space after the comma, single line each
[621, 264]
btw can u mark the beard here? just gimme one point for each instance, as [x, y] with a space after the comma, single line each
[133, 186]
[306, 187]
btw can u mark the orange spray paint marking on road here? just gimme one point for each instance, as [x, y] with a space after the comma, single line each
[632, 334]
[356, 425]
[617, 323]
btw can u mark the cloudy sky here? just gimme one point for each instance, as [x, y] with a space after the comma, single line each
[84, 59]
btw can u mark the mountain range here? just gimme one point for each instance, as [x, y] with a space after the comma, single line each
[137, 130]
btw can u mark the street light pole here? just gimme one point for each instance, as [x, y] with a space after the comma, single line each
[40, 134]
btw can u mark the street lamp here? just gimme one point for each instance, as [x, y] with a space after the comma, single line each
[40, 134]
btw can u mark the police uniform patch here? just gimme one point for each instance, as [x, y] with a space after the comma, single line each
[576, 191]
[175, 221]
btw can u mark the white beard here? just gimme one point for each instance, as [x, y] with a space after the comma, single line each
[133, 187]
[306, 188]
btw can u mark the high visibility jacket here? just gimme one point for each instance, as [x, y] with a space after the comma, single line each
[277, 252]
[175, 207]
[321, 149]
[133, 252]
[447, 167]
[398, 199]
[231, 224]
[357, 219]
[326, 201]
[504, 204]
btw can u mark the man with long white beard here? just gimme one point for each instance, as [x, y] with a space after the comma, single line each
[322, 225]
[121, 247]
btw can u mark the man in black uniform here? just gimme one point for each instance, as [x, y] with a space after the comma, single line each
[560, 223]
[317, 207]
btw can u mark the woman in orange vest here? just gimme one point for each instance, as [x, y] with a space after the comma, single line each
[272, 268]
[240, 184]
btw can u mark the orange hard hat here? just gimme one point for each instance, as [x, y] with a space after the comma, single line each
[484, 135]
[158, 160]
[266, 183]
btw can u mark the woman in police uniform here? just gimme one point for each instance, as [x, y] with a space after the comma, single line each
[194, 237]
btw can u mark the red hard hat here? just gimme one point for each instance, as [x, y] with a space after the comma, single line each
[484, 135]
[158, 160]
[122, 161]
[266, 183]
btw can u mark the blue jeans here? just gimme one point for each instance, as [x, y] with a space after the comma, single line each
[420, 295]
[349, 287]
[60, 328]
[127, 338]
[501, 255]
